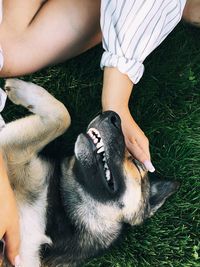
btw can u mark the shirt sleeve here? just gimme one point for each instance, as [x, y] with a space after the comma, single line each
[133, 29]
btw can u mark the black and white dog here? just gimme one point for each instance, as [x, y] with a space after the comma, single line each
[78, 205]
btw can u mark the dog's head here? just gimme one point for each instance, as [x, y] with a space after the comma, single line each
[112, 188]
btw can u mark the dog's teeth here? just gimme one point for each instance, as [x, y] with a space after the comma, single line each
[93, 131]
[96, 132]
[100, 150]
[90, 133]
[100, 144]
[107, 175]
[106, 166]
[95, 140]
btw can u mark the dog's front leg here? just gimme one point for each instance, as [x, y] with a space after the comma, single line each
[20, 141]
[31, 134]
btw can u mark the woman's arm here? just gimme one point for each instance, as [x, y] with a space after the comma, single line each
[117, 89]
[9, 219]
[131, 31]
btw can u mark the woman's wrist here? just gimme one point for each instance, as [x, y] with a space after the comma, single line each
[117, 88]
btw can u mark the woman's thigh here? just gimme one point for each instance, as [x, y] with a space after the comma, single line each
[60, 30]
[19, 13]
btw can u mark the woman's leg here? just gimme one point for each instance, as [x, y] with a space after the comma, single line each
[60, 30]
[191, 12]
[18, 14]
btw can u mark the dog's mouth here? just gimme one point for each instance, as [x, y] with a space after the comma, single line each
[97, 140]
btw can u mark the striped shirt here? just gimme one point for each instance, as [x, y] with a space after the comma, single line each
[132, 29]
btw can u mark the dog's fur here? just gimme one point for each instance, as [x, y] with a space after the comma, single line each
[69, 211]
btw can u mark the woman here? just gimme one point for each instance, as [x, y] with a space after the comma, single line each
[35, 34]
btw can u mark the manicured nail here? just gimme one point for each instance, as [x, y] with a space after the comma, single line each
[149, 166]
[17, 261]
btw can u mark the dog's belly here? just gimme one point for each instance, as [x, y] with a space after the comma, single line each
[32, 227]
[31, 186]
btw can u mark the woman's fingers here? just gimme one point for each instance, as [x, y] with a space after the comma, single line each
[140, 154]
[136, 150]
[9, 217]
[12, 239]
[136, 141]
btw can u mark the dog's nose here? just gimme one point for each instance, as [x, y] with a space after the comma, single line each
[113, 118]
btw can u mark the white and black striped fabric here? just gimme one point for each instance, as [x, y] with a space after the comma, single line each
[132, 29]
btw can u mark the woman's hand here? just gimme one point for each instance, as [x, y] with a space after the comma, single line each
[117, 88]
[135, 139]
[9, 218]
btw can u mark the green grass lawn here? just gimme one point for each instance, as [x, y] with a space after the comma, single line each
[166, 104]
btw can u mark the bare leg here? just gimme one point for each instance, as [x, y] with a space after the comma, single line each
[18, 15]
[60, 30]
[191, 12]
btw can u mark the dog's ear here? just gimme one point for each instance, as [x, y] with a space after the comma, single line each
[160, 190]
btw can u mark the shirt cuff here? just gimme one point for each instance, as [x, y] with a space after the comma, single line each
[131, 67]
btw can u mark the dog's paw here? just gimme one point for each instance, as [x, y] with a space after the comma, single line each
[13, 88]
[37, 100]
[26, 94]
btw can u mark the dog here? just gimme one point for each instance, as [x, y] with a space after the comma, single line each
[72, 209]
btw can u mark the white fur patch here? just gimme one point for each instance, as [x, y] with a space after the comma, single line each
[131, 199]
[33, 225]
[94, 215]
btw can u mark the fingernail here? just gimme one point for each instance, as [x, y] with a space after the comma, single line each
[17, 261]
[149, 166]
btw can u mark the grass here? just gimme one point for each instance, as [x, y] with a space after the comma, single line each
[166, 104]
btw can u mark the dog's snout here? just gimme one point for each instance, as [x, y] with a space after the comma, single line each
[107, 117]
[113, 118]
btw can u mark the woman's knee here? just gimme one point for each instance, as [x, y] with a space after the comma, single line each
[191, 13]
[52, 37]
[13, 64]
[17, 61]
[12, 54]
